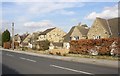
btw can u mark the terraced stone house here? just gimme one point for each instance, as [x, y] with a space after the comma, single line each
[102, 28]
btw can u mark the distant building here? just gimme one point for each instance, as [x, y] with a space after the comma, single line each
[17, 41]
[34, 39]
[103, 28]
[17, 38]
[23, 37]
[26, 41]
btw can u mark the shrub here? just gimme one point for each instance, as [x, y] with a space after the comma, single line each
[43, 45]
[24, 48]
[61, 52]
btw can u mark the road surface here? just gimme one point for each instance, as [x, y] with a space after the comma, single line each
[16, 63]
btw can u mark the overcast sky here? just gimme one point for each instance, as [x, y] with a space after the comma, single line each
[37, 16]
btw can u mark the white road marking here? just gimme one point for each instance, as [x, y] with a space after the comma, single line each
[71, 69]
[27, 59]
[9, 55]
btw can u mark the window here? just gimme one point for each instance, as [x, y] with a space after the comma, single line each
[98, 37]
[76, 37]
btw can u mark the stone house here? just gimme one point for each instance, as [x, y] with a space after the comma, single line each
[17, 41]
[17, 38]
[76, 32]
[23, 36]
[52, 35]
[27, 41]
[102, 28]
[34, 39]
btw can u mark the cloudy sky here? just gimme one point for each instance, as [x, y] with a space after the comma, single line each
[37, 16]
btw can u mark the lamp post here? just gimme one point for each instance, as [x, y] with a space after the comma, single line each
[13, 35]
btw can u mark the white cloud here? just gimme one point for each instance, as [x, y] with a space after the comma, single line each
[108, 12]
[48, 7]
[41, 24]
[67, 12]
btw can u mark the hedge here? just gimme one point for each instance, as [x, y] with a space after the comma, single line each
[6, 45]
[102, 46]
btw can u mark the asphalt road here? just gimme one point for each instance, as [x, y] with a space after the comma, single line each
[16, 63]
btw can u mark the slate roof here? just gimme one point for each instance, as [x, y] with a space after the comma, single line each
[23, 37]
[46, 31]
[110, 25]
[104, 23]
[27, 39]
[114, 26]
[83, 30]
[67, 36]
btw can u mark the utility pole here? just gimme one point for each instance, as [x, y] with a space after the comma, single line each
[13, 35]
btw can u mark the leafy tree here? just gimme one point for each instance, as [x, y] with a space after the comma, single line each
[5, 36]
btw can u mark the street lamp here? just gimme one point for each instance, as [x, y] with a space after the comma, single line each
[13, 35]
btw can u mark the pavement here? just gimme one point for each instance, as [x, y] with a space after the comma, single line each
[19, 62]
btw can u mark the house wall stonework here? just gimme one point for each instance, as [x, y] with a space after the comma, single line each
[97, 31]
[75, 33]
[17, 38]
[56, 35]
